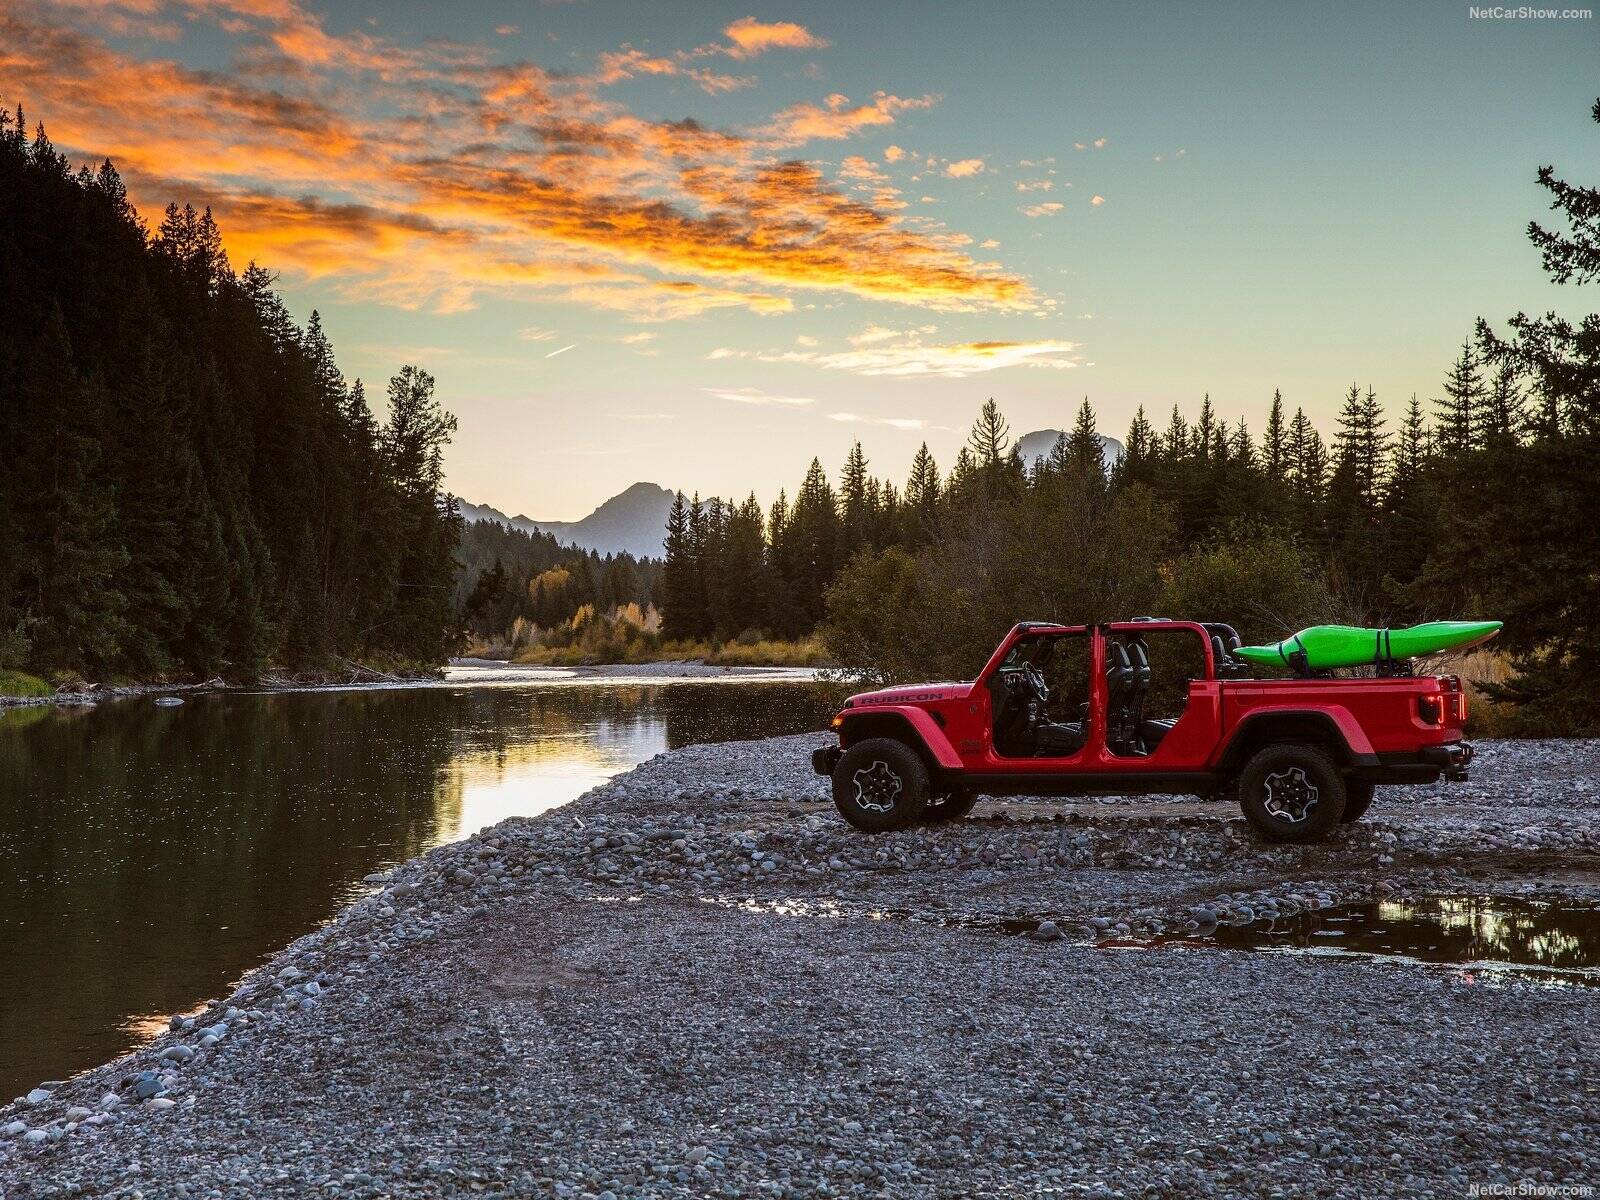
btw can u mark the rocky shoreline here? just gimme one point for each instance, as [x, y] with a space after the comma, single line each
[325, 681]
[695, 980]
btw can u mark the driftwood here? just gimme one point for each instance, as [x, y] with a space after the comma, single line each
[360, 673]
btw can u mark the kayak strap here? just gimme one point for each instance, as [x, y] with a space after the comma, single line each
[1296, 659]
[1383, 647]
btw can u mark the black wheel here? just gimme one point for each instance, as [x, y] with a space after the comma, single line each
[880, 784]
[1292, 793]
[949, 806]
[1357, 799]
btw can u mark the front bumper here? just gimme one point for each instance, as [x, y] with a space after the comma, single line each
[824, 760]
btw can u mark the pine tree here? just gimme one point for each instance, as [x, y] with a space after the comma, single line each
[1001, 473]
[1175, 442]
[1307, 462]
[1140, 456]
[1352, 513]
[812, 550]
[154, 469]
[68, 560]
[855, 511]
[744, 576]
[1459, 419]
[1409, 519]
[1083, 453]
[922, 499]
[1503, 418]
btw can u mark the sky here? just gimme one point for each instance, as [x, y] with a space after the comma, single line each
[699, 243]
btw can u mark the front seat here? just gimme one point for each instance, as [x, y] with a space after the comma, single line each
[1120, 682]
[1056, 739]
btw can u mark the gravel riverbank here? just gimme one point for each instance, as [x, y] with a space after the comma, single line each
[696, 981]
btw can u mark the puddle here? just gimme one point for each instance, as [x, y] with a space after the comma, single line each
[1484, 937]
[1555, 941]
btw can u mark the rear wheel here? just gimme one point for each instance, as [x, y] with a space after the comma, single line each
[880, 784]
[1292, 793]
[949, 806]
[1357, 799]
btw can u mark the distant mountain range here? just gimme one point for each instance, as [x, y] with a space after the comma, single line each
[632, 522]
[635, 521]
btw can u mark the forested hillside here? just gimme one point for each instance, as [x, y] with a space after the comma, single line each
[1477, 502]
[187, 482]
[516, 587]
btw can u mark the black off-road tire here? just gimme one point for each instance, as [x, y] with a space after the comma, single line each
[1283, 780]
[1357, 799]
[950, 806]
[880, 784]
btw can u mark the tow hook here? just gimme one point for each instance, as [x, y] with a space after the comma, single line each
[1454, 759]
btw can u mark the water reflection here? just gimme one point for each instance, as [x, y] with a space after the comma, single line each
[1556, 940]
[149, 856]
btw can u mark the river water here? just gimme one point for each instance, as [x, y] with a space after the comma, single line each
[149, 856]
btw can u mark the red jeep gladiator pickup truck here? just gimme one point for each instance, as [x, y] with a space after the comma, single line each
[1146, 705]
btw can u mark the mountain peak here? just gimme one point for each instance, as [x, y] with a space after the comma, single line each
[1037, 445]
[634, 521]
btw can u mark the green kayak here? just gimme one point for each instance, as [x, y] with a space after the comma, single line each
[1327, 646]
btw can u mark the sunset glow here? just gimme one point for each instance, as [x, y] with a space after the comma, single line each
[764, 190]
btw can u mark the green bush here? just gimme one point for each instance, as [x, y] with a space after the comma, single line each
[1254, 578]
[18, 683]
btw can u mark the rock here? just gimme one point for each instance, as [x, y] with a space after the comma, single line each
[697, 1155]
[161, 1104]
[1048, 931]
[13, 1129]
[145, 1085]
[35, 1136]
[168, 701]
[180, 1054]
[37, 1096]
[79, 1113]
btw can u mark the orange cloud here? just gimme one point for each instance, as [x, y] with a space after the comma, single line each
[908, 355]
[1048, 209]
[424, 177]
[836, 119]
[964, 169]
[618, 65]
[751, 37]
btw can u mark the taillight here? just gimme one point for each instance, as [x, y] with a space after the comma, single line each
[1430, 708]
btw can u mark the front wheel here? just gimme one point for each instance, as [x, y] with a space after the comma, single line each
[949, 806]
[1292, 793]
[880, 784]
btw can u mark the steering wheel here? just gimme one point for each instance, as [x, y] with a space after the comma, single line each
[1041, 690]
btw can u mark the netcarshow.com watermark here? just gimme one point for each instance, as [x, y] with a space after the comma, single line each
[1526, 12]
[1528, 1187]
